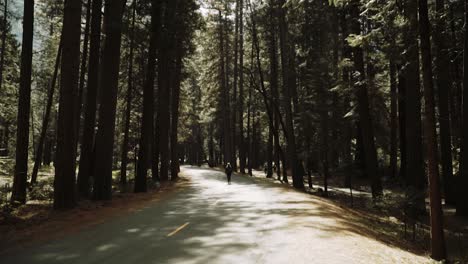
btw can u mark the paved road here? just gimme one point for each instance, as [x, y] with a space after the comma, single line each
[250, 221]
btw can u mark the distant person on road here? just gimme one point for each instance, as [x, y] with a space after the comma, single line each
[228, 170]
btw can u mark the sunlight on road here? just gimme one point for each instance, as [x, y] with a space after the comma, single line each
[209, 221]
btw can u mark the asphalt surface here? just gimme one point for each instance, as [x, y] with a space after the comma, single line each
[209, 221]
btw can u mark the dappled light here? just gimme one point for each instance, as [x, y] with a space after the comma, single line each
[239, 223]
[233, 131]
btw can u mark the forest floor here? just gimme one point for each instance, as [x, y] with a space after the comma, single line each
[205, 220]
[390, 212]
[37, 221]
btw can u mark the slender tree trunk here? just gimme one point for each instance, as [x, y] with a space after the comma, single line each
[224, 92]
[24, 105]
[443, 82]
[393, 122]
[365, 118]
[273, 57]
[128, 106]
[164, 81]
[146, 137]
[402, 120]
[175, 166]
[288, 87]
[4, 37]
[87, 143]
[84, 60]
[109, 84]
[438, 251]
[235, 85]
[241, 89]
[64, 181]
[249, 132]
[462, 200]
[45, 121]
[414, 159]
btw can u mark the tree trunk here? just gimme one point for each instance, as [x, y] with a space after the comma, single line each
[87, 143]
[288, 87]
[235, 84]
[462, 200]
[365, 118]
[164, 84]
[4, 37]
[393, 122]
[402, 120]
[84, 60]
[443, 82]
[175, 166]
[146, 137]
[64, 181]
[414, 160]
[225, 105]
[128, 103]
[241, 89]
[45, 121]
[438, 251]
[24, 105]
[109, 85]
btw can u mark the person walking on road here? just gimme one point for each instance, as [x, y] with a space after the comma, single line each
[228, 170]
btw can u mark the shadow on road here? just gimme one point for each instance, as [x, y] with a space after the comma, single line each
[250, 221]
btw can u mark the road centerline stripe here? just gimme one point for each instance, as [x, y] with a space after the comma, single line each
[178, 229]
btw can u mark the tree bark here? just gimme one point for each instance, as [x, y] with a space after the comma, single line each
[175, 166]
[4, 37]
[24, 105]
[109, 83]
[393, 121]
[128, 103]
[84, 60]
[462, 200]
[64, 181]
[414, 160]
[146, 136]
[365, 118]
[87, 144]
[443, 82]
[438, 251]
[288, 87]
[164, 83]
[241, 89]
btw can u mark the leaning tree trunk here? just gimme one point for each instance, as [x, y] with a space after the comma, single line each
[438, 251]
[45, 121]
[87, 144]
[109, 86]
[64, 181]
[24, 106]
